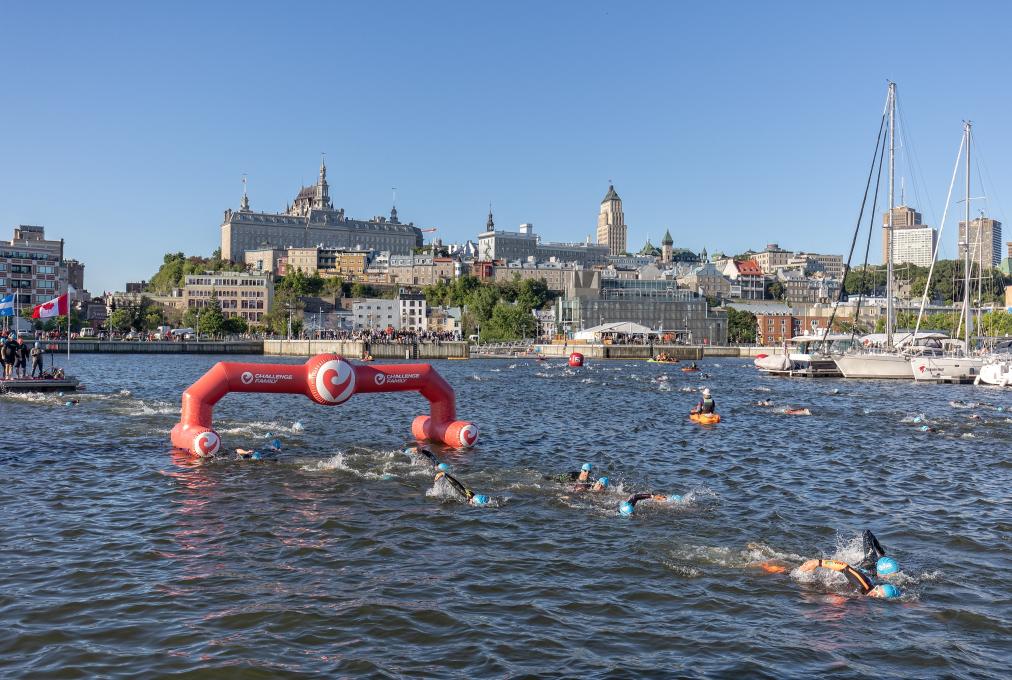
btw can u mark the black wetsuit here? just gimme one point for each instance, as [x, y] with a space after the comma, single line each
[457, 485]
[564, 477]
[22, 352]
[36, 354]
[637, 497]
[429, 455]
[873, 550]
[8, 354]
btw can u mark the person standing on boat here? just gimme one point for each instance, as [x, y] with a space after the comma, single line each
[21, 367]
[36, 355]
[7, 357]
[706, 404]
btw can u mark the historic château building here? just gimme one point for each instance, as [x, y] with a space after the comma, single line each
[312, 221]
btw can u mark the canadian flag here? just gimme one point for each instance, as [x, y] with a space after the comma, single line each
[55, 307]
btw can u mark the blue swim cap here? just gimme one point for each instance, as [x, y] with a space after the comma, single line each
[889, 590]
[603, 481]
[626, 508]
[444, 467]
[256, 455]
[886, 566]
[674, 498]
[924, 428]
[480, 499]
[587, 467]
[276, 443]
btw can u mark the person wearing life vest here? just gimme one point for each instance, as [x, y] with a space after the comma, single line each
[706, 404]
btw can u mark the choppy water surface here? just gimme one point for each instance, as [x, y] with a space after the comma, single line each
[120, 559]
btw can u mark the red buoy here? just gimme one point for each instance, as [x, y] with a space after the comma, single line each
[576, 360]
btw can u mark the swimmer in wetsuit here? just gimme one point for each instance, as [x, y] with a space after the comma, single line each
[255, 454]
[874, 558]
[581, 476]
[421, 454]
[469, 496]
[628, 506]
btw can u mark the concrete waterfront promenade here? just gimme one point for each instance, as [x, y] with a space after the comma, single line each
[411, 351]
[155, 347]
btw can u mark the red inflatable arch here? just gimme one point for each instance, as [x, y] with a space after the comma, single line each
[327, 379]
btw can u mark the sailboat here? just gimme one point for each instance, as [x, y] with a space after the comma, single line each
[959, 366]
[886, 361]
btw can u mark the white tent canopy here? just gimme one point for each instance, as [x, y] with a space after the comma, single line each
[623, 327]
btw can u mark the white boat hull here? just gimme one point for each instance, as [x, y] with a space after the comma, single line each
[946, 369]
[997, 373]
[874, 366]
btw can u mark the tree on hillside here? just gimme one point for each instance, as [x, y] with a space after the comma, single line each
[212, 320]
[741, 326]
[120, 320]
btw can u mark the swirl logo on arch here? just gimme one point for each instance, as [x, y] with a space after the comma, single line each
[468, 435]
[335, 381]
[206, 444]
[246, 378]
[381, 378]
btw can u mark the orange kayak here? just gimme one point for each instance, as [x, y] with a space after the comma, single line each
[705, 418]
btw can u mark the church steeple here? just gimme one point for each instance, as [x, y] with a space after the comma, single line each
[490, 224]
[244, 204]
[321, 198]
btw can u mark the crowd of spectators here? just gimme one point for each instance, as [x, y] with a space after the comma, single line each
[393, 337]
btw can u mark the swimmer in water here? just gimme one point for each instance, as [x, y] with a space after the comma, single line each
[601, 484]
[628, 506]
[256, 454]
[421, 454]
[466, 494]
[858, 577]
[581, 476]
[873, 559]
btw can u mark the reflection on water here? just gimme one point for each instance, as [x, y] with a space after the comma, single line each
[120, 557]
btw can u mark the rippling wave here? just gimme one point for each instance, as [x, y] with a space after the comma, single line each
[337, 558]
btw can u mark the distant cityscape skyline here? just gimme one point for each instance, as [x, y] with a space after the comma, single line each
[142, 136]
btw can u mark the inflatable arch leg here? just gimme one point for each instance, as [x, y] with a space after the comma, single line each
[327, 379]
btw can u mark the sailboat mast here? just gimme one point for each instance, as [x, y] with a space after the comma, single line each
[890, 311]
[966, 243]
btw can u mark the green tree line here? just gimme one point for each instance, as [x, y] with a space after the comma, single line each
[498, 311]
[946, 283]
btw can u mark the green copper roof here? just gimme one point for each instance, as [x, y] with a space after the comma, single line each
[667, 240]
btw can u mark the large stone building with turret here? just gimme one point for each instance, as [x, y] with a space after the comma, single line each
[611, 229]
[312, 221]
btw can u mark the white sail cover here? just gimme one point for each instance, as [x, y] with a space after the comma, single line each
[774, 362]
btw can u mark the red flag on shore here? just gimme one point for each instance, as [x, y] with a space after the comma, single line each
[55, 307]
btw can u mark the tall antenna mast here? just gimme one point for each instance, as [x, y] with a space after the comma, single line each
[394, 190]
[890, 311]
[966, 213]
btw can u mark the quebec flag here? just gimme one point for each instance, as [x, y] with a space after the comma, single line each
[7, 305]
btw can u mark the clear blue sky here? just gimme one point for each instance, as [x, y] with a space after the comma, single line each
[125, 128]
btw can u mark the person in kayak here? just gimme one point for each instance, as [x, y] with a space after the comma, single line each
[460, 490]
[706, 404]
[628, 506]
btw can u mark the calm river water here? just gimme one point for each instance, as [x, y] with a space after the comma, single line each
[119, 559]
